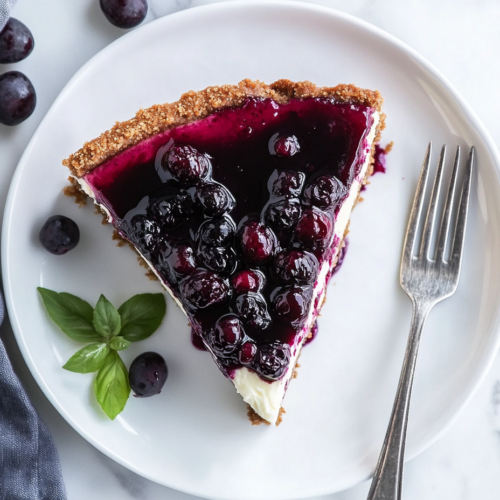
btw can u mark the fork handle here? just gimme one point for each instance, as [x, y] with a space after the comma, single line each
[388, 477]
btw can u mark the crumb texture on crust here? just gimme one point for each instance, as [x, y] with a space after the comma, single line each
[193, 106]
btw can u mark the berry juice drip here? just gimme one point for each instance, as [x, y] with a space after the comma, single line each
[237, 212]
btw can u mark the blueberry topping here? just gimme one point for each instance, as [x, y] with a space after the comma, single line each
[217, 232]
[227, 335]
[186, 164]
[314, 229]
[214, 199]
[179, 259]
[272, 360]
[17, 98]
[252, 309]
[325, 192]
[16, 42]
[219, 259]
[124, 13]
[291, 304]
[248, 281]
[295, 267]
[171, 207]
[147, 374]
[283, 214]
[286, 146]
[144, 232]
[204, 289]
[287, 183]
[247, 353]
[256, 242]
[59, 234]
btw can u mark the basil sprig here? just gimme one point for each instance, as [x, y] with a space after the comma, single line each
[107, 331]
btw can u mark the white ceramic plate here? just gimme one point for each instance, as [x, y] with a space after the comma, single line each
[195, 436]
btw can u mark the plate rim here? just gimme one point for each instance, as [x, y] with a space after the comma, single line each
[346, 18]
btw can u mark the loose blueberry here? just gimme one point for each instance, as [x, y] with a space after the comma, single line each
[252, 309]
[17, 98]
[217, 232]
[291, 304]
[144, 232]
[314, 229]
[16, 42]
[248, 281]
[214, 199]
[286, 146]
[283, 214]
[295, 267]
[227, 335]
[59, 234]
[219, 259]
[147, 374]
[204, 289]
[272, 360]
[325, 192]
[124, 13]
[171, 207]
[286, 183]
[256, 242]
[247, 353]
[186, 164]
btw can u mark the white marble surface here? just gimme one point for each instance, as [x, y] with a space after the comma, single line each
[461, 38]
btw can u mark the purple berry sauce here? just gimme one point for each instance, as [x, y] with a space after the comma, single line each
[237, 213]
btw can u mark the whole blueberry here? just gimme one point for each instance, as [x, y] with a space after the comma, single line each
[17, 98]
[124, 13]
[283, 214]
[186, 164]
[256, 242]
[286, 183]
[219, 259]
[286, 145]
[295, 266]
[248, 281]
[204, 290]
[272, 360]
[59, 234]
[325, 192]
[147, 374]
[252, 309]
[217, 232]
[16, 42]
[291, 304]
[214, 199]
[227, 335]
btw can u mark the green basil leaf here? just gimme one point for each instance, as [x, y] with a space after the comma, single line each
[119, 343]
[111, 385]
[89, 359]
[71, 314]
[142, 315]
[107, 320]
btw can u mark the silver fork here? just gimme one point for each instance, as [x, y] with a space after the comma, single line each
[427, 276]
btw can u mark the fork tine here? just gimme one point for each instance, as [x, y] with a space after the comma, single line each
[445, 221]
[416, 209]
[458, 243]
[430, 219]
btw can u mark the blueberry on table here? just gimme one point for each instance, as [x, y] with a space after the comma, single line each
[124, 13]
[16, 42]
[59, 234]
[147, 374]
[17, 98]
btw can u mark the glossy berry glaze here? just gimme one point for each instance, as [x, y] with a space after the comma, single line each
[236, 212]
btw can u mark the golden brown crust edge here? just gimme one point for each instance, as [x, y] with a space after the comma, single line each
[193, 106]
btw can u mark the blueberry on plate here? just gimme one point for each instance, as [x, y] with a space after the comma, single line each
[59, 234]
[147, 374]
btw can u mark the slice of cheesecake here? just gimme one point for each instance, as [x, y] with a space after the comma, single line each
[238, 197]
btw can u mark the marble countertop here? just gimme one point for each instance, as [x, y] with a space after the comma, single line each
[461, 38]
